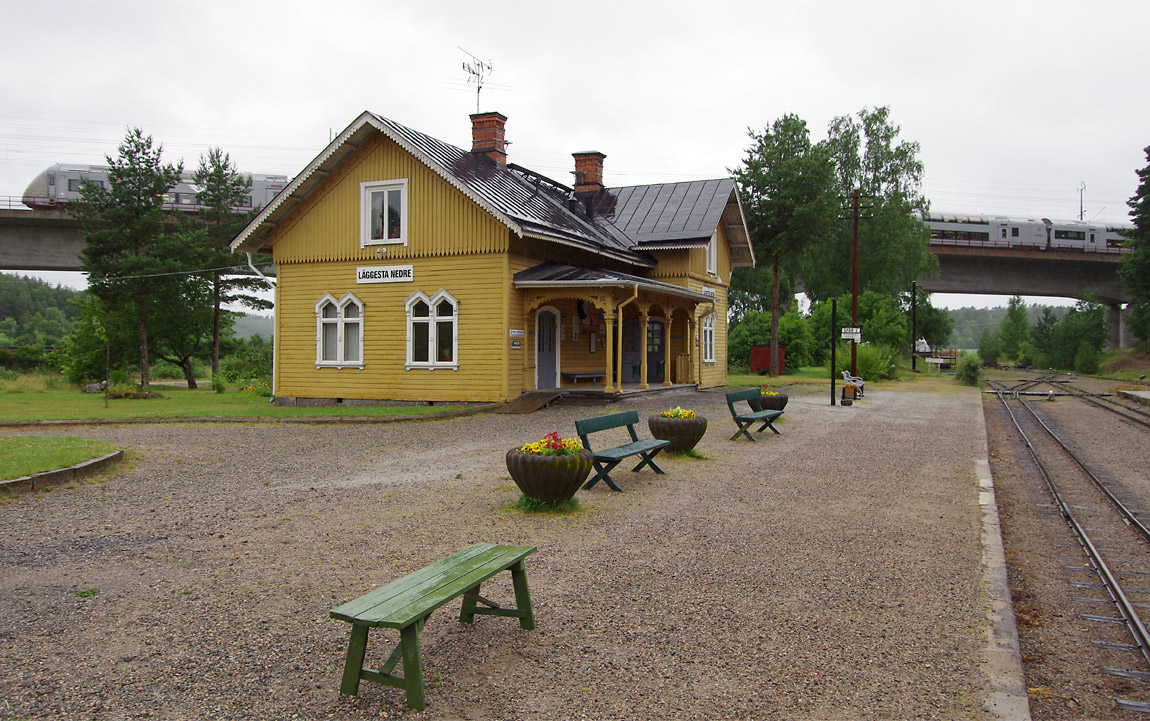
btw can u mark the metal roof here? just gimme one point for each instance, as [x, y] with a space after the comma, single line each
[623, 222]
[557, 275]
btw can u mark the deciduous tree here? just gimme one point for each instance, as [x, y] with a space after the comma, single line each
[893, 244]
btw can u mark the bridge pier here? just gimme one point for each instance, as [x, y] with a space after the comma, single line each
[1118, 327]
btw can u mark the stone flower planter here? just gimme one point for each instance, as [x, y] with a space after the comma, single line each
[769, 403]
[548, 478]
[683, 433]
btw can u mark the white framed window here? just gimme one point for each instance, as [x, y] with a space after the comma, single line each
[713, 254]
[708, 340]
[338, 332]
[432, 331]
[383, 213]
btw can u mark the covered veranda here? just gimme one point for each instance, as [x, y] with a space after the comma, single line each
[595, 330]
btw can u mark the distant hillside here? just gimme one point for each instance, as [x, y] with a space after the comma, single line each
[970, 322]
[248, 325]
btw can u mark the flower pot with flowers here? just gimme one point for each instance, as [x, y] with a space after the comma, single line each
[769, 400]
[680, 426]
[550, 469]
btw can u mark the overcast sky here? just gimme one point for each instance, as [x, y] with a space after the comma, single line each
[1015, 104]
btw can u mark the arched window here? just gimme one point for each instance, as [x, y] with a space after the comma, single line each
[338, 332]
[432, 331]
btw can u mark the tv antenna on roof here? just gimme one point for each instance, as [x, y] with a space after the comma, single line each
[477, 71]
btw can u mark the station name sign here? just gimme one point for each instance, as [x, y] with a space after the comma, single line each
[385, 274]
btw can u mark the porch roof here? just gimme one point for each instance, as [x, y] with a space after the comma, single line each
[557, 275]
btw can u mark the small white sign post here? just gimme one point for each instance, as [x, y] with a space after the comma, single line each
[936, 362]
[854, 334]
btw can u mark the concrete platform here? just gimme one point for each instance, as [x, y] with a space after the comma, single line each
[1136, 396]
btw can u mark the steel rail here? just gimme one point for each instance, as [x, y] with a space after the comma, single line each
[1125, 607]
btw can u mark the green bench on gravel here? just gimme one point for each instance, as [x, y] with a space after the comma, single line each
[406, 604]
[746, 420]
[605, 460]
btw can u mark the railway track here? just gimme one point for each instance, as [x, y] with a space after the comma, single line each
[1106, 525]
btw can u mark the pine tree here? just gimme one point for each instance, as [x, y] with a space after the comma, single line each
[222, 190]
[1135, 270]
[125, 255]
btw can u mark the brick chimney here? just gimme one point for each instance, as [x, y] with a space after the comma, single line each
[487, 136]
[588, 171]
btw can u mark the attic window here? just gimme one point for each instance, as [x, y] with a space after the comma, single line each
[713, 254]
[383, 211]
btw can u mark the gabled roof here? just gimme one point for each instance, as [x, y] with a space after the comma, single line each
[529, 204]
[668, 216]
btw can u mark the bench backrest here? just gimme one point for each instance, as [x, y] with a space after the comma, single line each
[849, 378]
[588, 426]
[745, 395]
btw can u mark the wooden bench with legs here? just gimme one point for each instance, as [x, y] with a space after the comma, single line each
[606, 459]
[576, 376]
[746, 420]
[405, 605]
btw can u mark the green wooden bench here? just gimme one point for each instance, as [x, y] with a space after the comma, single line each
[605, 460]
[745, 420]
[406, 604]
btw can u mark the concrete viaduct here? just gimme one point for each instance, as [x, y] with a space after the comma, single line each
[50, 240]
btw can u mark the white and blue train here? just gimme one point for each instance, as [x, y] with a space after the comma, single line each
[59, 186]
[1002, 232]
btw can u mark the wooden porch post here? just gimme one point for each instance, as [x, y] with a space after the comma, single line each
[645, 322]
[608, 324]
[667, 322]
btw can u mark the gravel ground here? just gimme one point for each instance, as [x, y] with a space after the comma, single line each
[831, 572]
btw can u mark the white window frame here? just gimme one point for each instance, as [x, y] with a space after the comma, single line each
[708, 337]
[365, 192]
[341, 322]
[713, 254]
[432, 330]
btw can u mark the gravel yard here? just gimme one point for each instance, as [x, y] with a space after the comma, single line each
[831, 572]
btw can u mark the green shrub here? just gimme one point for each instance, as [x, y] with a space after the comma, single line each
[131, 391]
[1086, 358]
[246, 364]
[969, 369]
[875, 362]
[218, 384]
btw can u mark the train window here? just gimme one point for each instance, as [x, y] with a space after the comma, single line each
[51, 179]
[73, 185]
[1092, 237]
[1004, 232]
[1069, 235]
[1014, 232]
[246, 201]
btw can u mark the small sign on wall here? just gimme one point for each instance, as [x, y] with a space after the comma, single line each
[574, 329]
[385, 274]
[516, 333]
[516, 345]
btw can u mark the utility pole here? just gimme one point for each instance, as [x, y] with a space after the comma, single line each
[1081, 210]
[913, 328]
[834, 342]
[855, 281]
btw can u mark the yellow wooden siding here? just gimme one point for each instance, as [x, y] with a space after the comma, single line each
[441, 220]
[478, 282]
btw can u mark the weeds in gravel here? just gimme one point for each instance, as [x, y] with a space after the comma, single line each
[689, 453]
[527, 504]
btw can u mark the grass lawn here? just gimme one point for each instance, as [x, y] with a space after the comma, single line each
[58, 405]
[25, 455]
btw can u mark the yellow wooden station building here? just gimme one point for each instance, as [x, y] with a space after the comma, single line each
[412, 270]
